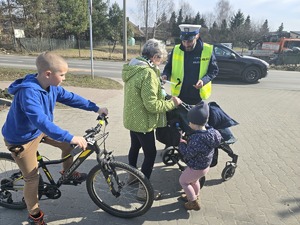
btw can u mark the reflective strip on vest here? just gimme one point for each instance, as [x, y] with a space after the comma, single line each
[178, 70]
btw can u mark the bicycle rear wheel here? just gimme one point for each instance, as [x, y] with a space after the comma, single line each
[127, 181]
[11, 183]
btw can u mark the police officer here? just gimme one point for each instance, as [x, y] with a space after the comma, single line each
[191, 67]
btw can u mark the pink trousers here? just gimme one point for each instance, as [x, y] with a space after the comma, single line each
[189, 181]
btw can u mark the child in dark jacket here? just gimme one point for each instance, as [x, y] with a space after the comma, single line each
[30, 119]
[197, 153]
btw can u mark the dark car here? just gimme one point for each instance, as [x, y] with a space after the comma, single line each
[231, 64]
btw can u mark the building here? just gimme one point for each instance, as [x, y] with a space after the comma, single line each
[295, 34]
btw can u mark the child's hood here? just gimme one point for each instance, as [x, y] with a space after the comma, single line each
[29, 81]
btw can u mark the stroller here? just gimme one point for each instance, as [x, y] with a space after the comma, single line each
[218, 119]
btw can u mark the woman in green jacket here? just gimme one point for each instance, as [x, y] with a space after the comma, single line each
[145, 106]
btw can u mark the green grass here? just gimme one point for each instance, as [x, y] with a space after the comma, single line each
[11, 74]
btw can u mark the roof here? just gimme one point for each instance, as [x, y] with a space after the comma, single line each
[136, 30]
[295, 32]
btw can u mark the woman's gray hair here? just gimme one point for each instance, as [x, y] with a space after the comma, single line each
[154, 47]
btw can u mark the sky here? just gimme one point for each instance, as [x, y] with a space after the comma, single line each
[275, 11]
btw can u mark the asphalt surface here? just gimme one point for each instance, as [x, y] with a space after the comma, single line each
[264, 190]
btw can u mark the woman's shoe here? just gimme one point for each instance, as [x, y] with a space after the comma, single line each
[141, 193]
[131, 179]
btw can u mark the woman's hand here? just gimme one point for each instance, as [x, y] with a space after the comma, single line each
[176, 100]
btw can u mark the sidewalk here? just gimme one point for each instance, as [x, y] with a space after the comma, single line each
[263, 191]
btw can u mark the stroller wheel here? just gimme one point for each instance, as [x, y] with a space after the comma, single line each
[170, 156]
[228, 172]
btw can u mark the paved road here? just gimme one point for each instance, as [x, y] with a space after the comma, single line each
[279, 79]
[265, 189]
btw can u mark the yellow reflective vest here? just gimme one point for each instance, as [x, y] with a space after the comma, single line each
[178, 70]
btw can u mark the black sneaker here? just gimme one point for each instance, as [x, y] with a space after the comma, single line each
[76, 178]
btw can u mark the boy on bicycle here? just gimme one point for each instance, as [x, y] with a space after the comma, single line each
[30, 119]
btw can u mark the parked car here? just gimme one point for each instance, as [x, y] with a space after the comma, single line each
[233, 65]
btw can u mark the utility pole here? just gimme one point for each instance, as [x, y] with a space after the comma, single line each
[146, 22]
[124, 32]
[91, 38]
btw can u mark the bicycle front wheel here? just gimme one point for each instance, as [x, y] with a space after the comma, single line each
[11, 183]
[126, 193]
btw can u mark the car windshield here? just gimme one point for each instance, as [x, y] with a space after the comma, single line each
[220, 51]
[291, 44]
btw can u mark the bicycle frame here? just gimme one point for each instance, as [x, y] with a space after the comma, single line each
[91, 148]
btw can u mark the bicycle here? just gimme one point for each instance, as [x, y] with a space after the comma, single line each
[106, 182]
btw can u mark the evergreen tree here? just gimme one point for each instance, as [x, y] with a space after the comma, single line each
[173, 24]
[100, 20]
[179, 21]
[224, 31]
[247, 23]
[180, 17]
[197, 19]
[202, 22]
[280, 28]
[115, 18]
[74, 18]
[264, 28]
[237, 20]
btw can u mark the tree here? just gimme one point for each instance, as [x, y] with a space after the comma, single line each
[8, 15]
[237, 20]
[173, 28]
[151, 11]
[197, 19]
[163, 32]
[224, 31]
[186, 9]
[100, 20]
[179, 18]
[214, 33]
[223, 11]
[115, 19]
[264, 28]
[280, 28]
[74, 17]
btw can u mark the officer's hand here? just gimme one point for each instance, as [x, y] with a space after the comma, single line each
[199, 84]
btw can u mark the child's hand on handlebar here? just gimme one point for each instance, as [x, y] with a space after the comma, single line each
[103, 110]
[80, 141]
[176, 100]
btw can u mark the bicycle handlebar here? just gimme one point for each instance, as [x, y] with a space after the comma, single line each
[102, 120]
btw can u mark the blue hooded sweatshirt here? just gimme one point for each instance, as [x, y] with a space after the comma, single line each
[31, 112]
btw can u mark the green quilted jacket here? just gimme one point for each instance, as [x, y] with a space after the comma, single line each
[144, 104]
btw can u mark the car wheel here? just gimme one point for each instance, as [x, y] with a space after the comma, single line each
[251, 74]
